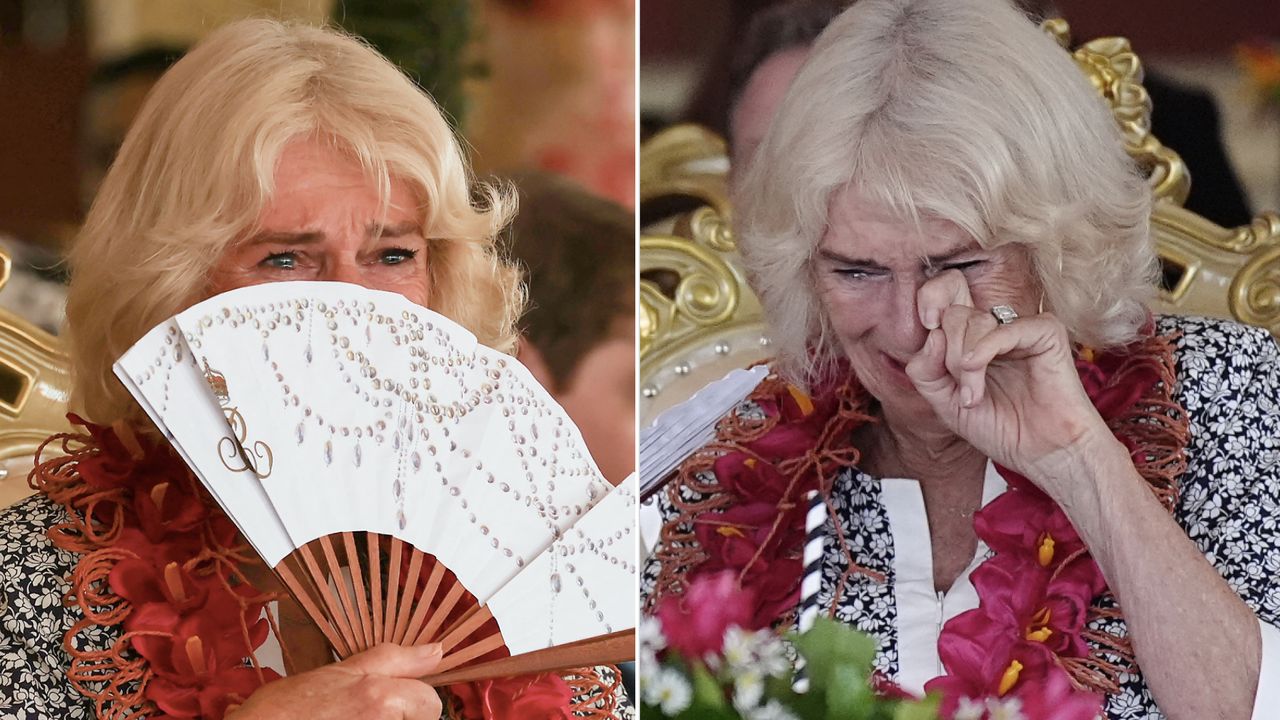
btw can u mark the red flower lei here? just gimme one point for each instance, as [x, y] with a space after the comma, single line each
[1027, 639]
[161, 561]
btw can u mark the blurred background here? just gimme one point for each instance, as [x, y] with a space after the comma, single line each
[1212, 65]
[532, 85]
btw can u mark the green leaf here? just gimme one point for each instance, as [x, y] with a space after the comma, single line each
[830, 644]
[706, 690]
[698, 711]
[926, 709]
[849, 697]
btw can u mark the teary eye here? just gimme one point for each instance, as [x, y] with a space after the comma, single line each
[396, 256]
[280, 261]
[961, 266]
[856, 272]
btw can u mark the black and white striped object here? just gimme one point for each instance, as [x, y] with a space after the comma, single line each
[814, 520]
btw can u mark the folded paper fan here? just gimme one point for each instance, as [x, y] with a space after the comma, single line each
[407, 483]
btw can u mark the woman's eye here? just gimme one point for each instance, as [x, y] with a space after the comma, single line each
[395, 256]
[854, 273]
[280, 261]
[961, 266]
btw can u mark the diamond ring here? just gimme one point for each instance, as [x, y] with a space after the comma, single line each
[1004, 314]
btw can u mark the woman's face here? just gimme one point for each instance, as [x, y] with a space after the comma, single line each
[869, 268]
[324, 222]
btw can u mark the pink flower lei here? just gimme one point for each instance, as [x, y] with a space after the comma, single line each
[1027, 643]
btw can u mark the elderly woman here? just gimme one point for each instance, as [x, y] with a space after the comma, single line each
[1037, 491]
[271, 152]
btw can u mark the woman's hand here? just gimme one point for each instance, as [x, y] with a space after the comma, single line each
[378, 684]
[1012, 391]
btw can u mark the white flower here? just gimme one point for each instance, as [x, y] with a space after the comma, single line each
[1010, 709]
[739, 649]
[969, 709]
[772, 710]
[649, 667]
[669, 691]
[760, 652]
[651, 636]
[772, 658]
[748, 690]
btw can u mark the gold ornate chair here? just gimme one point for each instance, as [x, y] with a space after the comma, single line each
[34, 382]
[698, 319]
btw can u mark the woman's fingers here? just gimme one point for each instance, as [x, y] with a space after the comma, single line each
[394, 660]
[928, 368]
[934, 297]
[401, 692]
[1023, 337]
[963, 327]
[415, 700]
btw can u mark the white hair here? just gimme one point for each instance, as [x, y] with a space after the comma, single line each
[961, 110]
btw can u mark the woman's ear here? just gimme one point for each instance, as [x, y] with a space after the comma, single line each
[529, 355]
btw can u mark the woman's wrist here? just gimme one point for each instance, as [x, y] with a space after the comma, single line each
[1080, 475]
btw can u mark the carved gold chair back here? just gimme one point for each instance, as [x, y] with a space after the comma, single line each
[34, 382]
[699, 319]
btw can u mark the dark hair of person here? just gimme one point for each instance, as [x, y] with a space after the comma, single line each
[578, 250]
[147, 62]
[784, 25]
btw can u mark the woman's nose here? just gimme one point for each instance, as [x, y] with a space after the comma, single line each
[343, 271]
[909, 335]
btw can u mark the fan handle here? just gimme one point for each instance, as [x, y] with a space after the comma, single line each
[600, 650]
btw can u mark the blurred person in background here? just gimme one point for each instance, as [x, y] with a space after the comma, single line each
[579, 331]
[776, 43]
[1186, 119]
[559, 92]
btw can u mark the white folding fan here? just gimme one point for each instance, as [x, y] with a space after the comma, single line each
[407, 483]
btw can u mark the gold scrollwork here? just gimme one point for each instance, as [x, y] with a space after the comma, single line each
[234, 447]
[686, 160]
[1255, 291]
[655, 314]
[1263, 231]
[1116, 72]
[709, 227]
[705, 294]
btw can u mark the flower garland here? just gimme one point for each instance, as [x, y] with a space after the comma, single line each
[160, 561]
[1027, 643]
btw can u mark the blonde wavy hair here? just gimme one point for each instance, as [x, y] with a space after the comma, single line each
[961, 110]
[197, 168]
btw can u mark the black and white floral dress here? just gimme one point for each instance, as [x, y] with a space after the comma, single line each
[1229, 383]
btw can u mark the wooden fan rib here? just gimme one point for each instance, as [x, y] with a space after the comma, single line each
[602, 650]
[407, 599]
[393, 588]
[375, 583]
[357, 581]
[309, 605]
[485, 645]
[413, 633]
[340, 582]
[465, 617]
[459, 631]
[322, 617]
[443, 609]
[322, 583]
